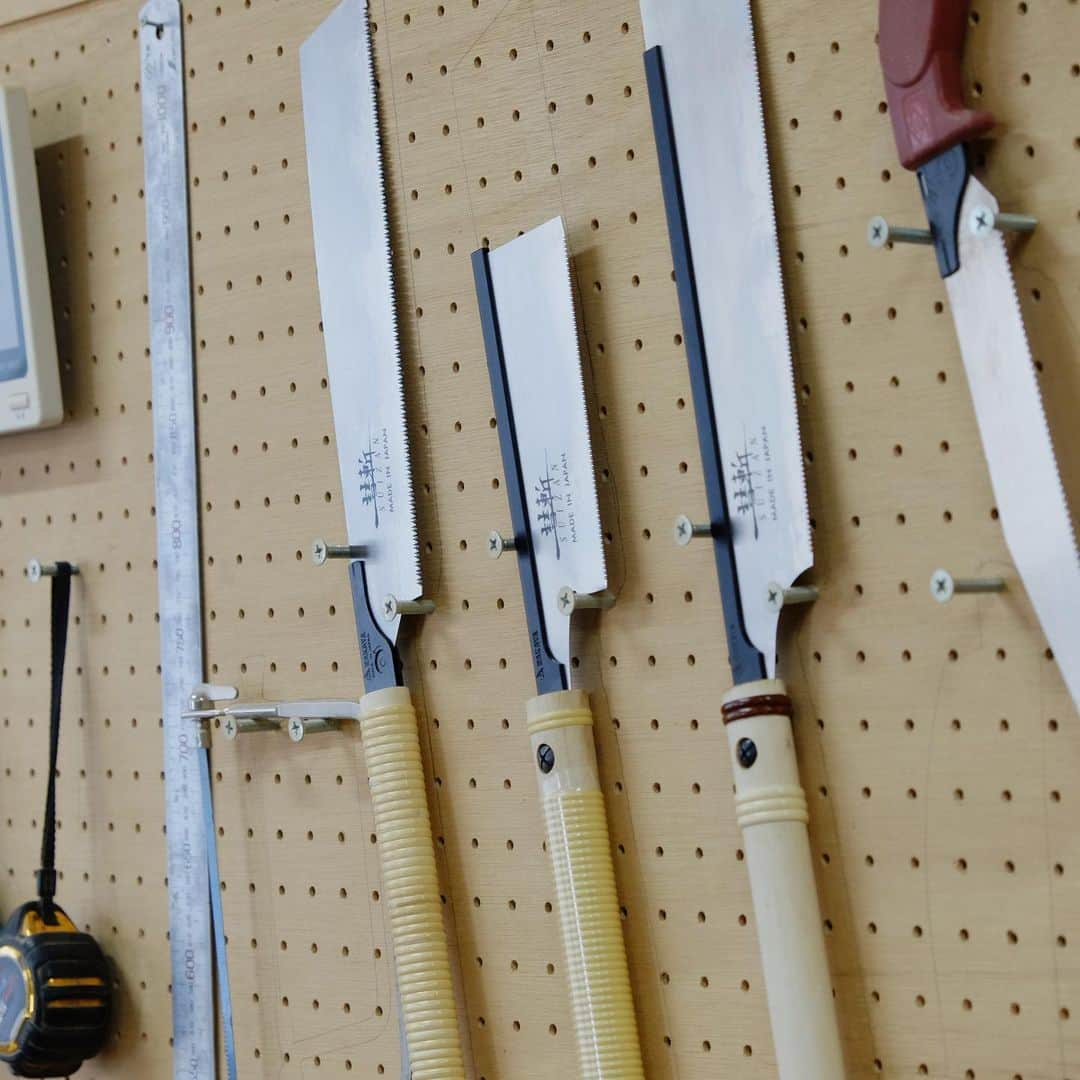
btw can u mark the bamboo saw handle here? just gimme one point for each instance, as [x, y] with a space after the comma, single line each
[410, 884]
[770, 807]
[560, 728]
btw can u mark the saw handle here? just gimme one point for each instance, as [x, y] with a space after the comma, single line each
[410, 884]
[921, 43]
[771, 810]
[564, 755]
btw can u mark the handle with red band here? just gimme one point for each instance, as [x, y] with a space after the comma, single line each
[921, 43]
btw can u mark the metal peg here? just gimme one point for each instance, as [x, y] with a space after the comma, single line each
[298, 728]
[879, 233]
[570, 601]
[235, 726]
[686, 530]
[497, 543]
[392, 607]
[777, 597]
[984, 220]
[36, 570]
[321, 551]
[202, 709]
[943, 586]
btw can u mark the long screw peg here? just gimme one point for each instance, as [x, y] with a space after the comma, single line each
[321, 551]
[879, 233]
[570, 601]
[777, 597]
[36, 570]
[943, 586]
[687, 530]
[497, 543]
[392, 607]
[984, 221]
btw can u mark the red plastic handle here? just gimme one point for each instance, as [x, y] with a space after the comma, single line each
[921, 44]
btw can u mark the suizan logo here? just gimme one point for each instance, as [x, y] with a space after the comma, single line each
[753, 489]
[376, 476]
[553, 495]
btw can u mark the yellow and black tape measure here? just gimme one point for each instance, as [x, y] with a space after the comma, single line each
[55, 983]
[55, 994]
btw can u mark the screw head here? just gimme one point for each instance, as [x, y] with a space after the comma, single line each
[774, 596]
[567, 600]
[545, 758]
[318, 552]
[33, 570]
[389, 607]
[495, 544]
[981, 221]
[296, 730]
[877, 232]
[229, 727]
[942, 586]
[746, 751]
[684, 530]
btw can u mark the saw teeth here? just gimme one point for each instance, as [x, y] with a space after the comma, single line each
[779, 262]
[999, 239]
[578, 323]
[410, 505]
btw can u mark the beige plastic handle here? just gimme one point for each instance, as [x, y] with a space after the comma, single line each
[560, 728]
[410, 884]
[771, 810]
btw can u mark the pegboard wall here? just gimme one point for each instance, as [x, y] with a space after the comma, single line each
[937, 745]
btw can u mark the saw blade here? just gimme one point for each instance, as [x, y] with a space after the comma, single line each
[538, 325]
[710, 62]
[356, 287]
[1031, 501]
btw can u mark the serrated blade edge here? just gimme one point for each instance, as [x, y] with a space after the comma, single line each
[1016, 438]
[356, 286]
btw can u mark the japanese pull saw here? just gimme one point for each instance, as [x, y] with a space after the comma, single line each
[531, 337]
[921, 44]
[356, 288]
[708, 119]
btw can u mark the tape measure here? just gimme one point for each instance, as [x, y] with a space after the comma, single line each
[55, 983]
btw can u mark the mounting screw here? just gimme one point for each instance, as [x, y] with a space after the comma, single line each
[746, 749]
[298, 728]
[321, 551]
[392, 607]
[984, 221]
[686, 530]
[570, 601]
[36, 570]
[777, 597]
[879, 233]
[497, 543]
[943, 586]
[545, 758]
[244, 724]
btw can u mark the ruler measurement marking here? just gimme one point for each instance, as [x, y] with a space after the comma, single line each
[176, 502]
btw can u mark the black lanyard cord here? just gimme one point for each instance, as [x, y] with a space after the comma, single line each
[61, 603]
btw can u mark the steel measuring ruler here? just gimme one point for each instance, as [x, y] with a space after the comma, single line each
[177, 509]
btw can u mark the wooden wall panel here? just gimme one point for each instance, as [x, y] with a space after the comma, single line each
[937, 745]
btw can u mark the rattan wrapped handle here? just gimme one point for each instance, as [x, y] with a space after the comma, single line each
[410, 884]
[561, 730]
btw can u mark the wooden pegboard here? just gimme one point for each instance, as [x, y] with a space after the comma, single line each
[937, 744]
